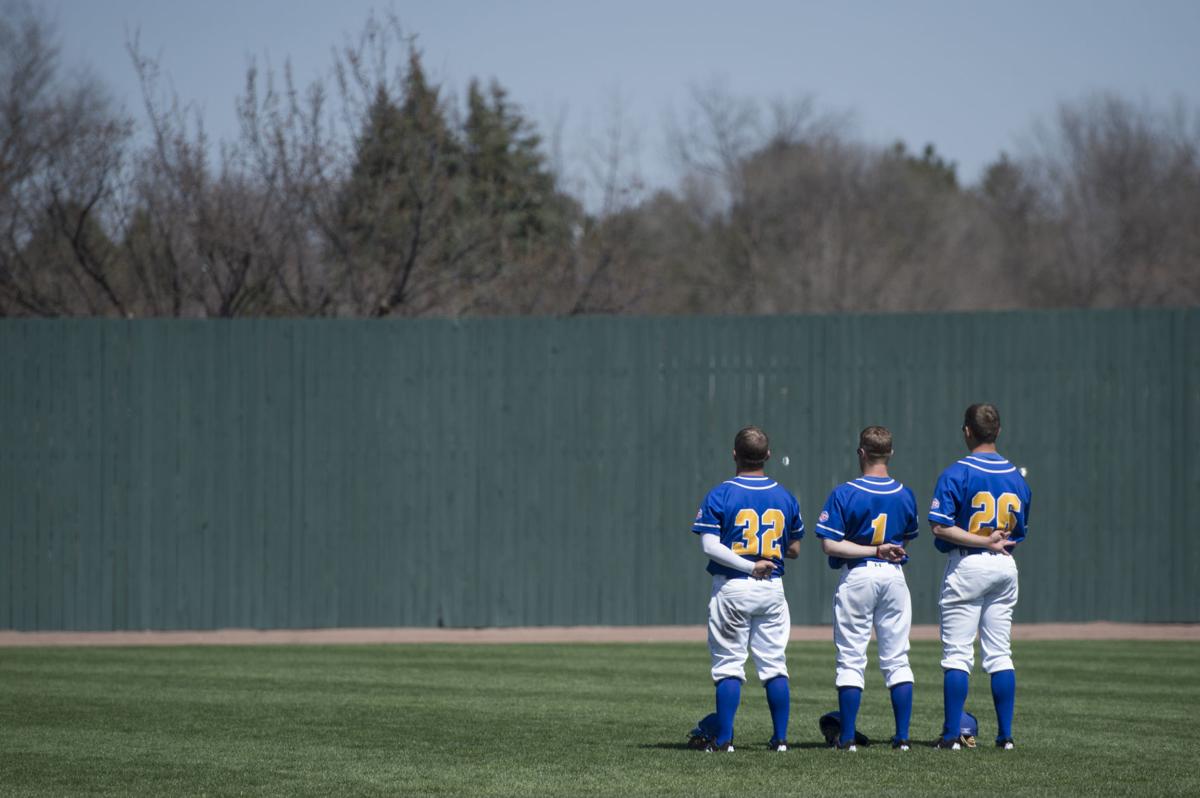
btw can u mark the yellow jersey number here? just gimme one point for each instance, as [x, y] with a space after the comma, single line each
[760, 534]
[993, 512]
[878, 529]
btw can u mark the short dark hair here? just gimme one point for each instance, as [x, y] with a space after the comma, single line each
[876, 444]
[751, 447]
[983, 422]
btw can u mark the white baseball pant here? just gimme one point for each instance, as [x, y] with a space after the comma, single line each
[748, 614]
[873, 594]
[979, 592]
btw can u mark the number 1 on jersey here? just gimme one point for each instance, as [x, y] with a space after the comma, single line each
[878, 529]
[754, 544]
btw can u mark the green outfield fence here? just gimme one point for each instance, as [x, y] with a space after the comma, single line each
[313, 473]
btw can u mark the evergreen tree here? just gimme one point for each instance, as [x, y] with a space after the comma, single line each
[930, 165]
[509, 182]
[398, 201]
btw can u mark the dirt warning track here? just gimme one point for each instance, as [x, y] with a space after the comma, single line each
[545, 634]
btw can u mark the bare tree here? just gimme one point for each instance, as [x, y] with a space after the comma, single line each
[809, 220]
[63, 152]
[1121, 186]
[213, 239]
[376, 192]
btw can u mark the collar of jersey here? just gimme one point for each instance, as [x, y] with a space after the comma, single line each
[875, 480]
[884, 488]
[988, 463]
[757, 483]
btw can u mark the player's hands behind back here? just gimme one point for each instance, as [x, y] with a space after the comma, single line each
[890, 552]
[763, 569]
[998, 541]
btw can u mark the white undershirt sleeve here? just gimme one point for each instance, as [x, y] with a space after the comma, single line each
[719, 553]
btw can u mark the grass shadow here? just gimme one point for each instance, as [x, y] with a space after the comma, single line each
[748, 747]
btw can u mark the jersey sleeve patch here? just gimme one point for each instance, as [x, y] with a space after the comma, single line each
[710, 515]
[830, 523]
[934, 506]
[944, 506]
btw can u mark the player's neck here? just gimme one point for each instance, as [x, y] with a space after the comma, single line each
[875, 470]
[757, 472]
[984, 448]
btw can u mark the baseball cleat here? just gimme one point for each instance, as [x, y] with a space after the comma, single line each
[948, 745]
[900, 745]
[849, 748]
[1006, 744]
[777, 745]
[717, 748]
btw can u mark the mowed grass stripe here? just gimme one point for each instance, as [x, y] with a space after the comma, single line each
[1092, 718]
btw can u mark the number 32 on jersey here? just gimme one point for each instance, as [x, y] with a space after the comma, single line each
[760, 534]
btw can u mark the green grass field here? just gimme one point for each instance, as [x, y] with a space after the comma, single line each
[1092, 718]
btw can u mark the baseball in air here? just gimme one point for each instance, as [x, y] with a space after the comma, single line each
[1023, 470]
[784, 460]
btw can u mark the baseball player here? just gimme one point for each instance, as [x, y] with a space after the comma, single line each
[863, 527]
[979, 514]
[747, 526]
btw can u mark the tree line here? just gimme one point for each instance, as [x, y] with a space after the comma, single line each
[375, 193]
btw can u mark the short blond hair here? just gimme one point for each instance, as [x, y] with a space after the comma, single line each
[876, 444]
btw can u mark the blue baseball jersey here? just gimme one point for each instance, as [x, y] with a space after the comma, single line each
[868, 511]
[756, 517]
[981, 493]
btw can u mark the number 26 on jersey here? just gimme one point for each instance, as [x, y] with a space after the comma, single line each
[993, 512]
[760, 534]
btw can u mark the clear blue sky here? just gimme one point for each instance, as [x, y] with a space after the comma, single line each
[971, 77]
